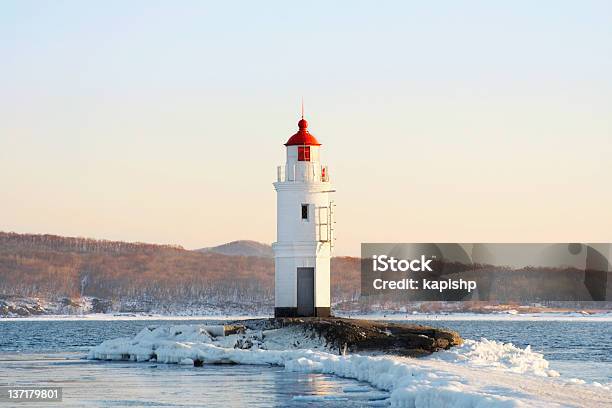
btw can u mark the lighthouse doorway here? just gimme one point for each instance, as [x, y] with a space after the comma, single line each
[305, 292]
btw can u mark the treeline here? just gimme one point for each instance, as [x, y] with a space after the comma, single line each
[75, 244]
[54, 266]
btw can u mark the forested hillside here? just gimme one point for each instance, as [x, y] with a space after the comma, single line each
[54, 267]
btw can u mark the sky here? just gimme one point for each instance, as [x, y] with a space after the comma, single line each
[447, 121]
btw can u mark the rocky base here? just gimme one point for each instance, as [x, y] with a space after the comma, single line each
[354, 335]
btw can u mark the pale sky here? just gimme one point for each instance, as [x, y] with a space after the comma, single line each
[163, 122]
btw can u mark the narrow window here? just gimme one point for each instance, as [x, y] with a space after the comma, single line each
[303, 153]
[305, 212]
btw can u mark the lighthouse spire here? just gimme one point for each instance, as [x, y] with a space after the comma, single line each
[302, 107]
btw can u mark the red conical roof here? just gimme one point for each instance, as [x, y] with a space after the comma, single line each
[303, 136]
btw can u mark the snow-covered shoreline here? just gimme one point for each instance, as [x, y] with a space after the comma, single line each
[477, 373]
[498, 316]
[127, 316]
[569, 317]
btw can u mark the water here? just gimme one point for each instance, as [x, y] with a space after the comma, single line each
[51, 352]
[121, 384]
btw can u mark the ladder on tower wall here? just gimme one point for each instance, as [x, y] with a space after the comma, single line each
[325, 223]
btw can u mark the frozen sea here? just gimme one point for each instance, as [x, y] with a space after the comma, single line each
[51, 352]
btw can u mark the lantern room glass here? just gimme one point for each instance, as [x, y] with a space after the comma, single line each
[303, 153]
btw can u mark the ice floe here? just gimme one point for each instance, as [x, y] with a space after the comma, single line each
[490, 353]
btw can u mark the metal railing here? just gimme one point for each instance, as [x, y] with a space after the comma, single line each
[303, 172]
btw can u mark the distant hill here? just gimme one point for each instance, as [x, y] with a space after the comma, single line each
[241, 248]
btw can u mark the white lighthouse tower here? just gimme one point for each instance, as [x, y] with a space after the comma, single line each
[304, 243]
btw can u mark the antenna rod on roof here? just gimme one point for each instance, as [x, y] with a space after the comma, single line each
[302, 107]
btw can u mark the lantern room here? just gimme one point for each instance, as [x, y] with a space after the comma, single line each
[303, 157]
[303, 146]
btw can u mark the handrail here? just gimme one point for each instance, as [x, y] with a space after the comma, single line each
[303, 172]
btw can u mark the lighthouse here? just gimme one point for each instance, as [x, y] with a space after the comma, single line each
[305, 233]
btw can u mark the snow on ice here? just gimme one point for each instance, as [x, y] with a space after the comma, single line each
[477, 374]
[490, 353]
